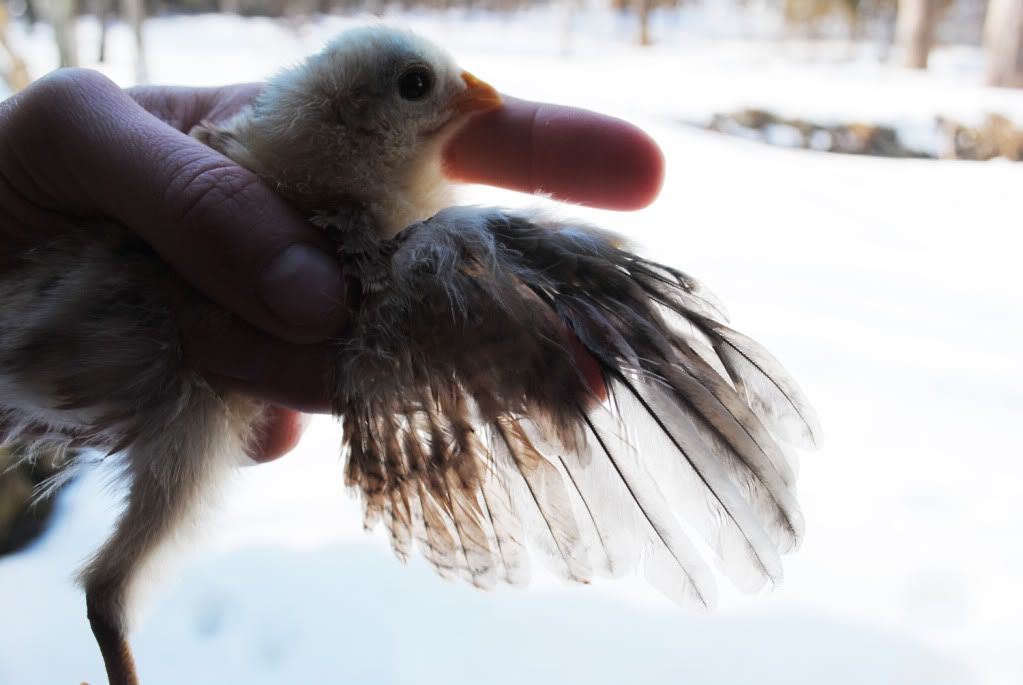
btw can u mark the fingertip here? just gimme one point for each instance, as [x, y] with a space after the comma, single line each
[640, 159]
[596, 159]
[573, 154]
[281, 432]
[305, 289]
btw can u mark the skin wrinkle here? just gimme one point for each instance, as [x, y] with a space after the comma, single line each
[140, 143]
[84, 100]
[172, 163]
[91, 99]
[213, 179]
[176, 115]
[191, 219]
[208, 216]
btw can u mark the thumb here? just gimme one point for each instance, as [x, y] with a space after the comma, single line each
[91, 149]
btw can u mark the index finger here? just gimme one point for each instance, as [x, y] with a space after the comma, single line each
[183, 107]
[572, 153]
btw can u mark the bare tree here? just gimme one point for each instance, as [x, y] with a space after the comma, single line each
[916, 28]
[135, 15]
[62, 15]
[804, 15]
[643, 9]
[17, 73]
[1003, 37]
[103, 9]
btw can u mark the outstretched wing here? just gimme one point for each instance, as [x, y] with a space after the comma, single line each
[473, 431]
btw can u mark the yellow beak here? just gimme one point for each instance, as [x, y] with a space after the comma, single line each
[478, 97]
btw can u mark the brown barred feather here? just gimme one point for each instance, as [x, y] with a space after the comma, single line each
[472, 323]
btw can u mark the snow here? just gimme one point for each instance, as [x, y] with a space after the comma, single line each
[890, 288]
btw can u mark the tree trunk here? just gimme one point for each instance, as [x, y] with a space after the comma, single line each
[31, 15]
[134, 12]
[1003, 38]
[62, 14]
[643, 8]
[916, 25]
[17, 74]
[103, 12]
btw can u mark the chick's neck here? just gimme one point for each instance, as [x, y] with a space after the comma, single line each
[419, 195]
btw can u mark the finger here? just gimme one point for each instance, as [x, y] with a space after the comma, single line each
[279, 434]
[246, 359]
[184, 108]
[220, 227]
[574, 154]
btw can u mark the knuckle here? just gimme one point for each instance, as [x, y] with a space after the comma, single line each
[58, 100]
[46, 128]
[58, 117]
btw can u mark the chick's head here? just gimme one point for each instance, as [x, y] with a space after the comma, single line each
[364, 121]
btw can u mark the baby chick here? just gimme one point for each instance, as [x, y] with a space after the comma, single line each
[362, 124]
[470, 429]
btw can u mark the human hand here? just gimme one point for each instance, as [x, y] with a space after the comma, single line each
[74, 146]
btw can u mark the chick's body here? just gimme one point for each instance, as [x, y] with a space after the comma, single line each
[470, 430]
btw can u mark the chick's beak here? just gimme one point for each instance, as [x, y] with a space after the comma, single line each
[478, 97]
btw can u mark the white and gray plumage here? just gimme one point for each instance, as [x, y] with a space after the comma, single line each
[469, 429]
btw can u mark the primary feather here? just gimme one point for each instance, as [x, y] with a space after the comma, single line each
[470, 320]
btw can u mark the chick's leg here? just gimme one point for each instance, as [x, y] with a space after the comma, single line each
[113, 645]
[172, 469]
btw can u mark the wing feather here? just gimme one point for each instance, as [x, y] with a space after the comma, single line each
[504, 449]
[766, 387]
[505, 531]
[673, 563]
[556, 528]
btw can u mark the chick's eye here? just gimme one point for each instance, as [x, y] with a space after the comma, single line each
[415, 83]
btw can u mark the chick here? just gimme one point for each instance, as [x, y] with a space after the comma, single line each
[470, 428]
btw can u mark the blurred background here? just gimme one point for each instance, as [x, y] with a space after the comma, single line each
[842, 173]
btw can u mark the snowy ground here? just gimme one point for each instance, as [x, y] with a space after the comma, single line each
[890, 288]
